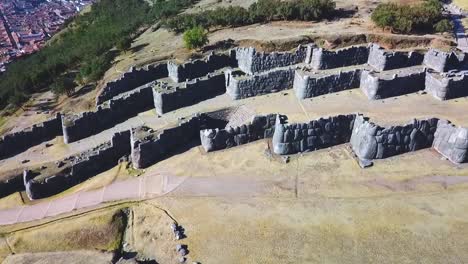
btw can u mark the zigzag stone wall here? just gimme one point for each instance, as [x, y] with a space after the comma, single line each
[244, 86]
[325, 59]
[316, 134]
[11, 185]
[441, 61]
[250, 61]
[79, 168]
[444, 86]
[370, 141]
[392, 83]
[15, 143]
[107, 115]
[383, 60]
[149, 147]
[168, 97]
[261, 126]
[451, 141]
[132, 79]
[201, 67]
[311, 84]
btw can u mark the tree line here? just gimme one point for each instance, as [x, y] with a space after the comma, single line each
[259, 12]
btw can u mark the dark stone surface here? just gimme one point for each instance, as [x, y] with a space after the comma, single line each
[132, 79]
[317, 134]
[84, 166]
[201, 67]
[15, 143]
[107, 115]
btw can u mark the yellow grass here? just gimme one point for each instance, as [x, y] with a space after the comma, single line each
[462, 3]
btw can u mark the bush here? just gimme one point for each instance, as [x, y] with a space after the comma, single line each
[124, 44]
[259, 12]
[409, 18]
[195, 38]
[443, 26]
[63, 85]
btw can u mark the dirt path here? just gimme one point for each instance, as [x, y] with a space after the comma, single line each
[147, 186]
[459, 30]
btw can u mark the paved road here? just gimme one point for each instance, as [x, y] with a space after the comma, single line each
[143, 187]
[460, 33]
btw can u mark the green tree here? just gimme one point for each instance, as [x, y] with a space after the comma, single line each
[63, 85]
[443, 26]
[196, 37]
[124, 44]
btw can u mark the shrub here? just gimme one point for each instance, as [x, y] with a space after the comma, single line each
[63, 85]
[195, 37]
[443, 26]
[409, 18]
[124, 44]
[259, 12]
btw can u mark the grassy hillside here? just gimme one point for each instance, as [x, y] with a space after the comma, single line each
[83, 46]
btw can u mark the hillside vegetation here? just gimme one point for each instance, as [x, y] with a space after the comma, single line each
[418, 18]
[260, 12]
[83, 47]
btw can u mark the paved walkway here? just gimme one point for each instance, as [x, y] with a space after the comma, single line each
[147, 186]
[457, 15]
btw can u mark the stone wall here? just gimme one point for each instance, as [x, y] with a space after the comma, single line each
[81, 167]
[311, 84]
[130, 80]
[447, 85]
[261, 126]
[392, 83]
[441, 61]
[370, 141]
[15, 143]
[149, 147]
[325, 59]
[240, 86]
[250, 61]
[451, 141]
[107, 115]
[383, 60]
[168, 98]
[316, 134]
[201, 67]
[11, 185]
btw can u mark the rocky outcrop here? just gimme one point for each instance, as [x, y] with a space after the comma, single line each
[201, 67]
[314, 135]
[309, 84]
[383, 60]
[169, 96]
[451, 141]
[392, 83]
[325, 59]
[251, 62]
[15, 143]
[370, 141]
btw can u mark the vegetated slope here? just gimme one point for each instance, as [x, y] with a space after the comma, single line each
[84, 46]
